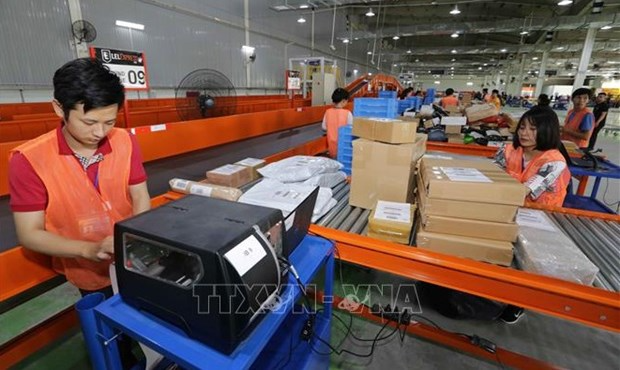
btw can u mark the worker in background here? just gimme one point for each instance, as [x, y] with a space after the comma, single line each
[543, 100]
[495, 100]
[335, 118]
[486, 97]
[449, 100]
[579, 121]
[406, 93]
[600, 116]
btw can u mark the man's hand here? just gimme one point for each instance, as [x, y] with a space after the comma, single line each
[101, 251]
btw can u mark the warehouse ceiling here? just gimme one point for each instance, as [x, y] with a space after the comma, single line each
[484, 37]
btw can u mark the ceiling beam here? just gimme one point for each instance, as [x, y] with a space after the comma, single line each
[513, 25]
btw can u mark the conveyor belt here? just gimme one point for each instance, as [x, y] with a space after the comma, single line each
[600, 241]
[191, 166]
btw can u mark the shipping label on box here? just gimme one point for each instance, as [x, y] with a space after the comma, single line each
[254, 164]
[391, 221]
[454, 121]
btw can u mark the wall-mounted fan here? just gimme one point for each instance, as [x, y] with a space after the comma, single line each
[205, 93]
[83, 31]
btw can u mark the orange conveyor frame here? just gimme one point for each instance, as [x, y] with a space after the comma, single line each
[587, 305]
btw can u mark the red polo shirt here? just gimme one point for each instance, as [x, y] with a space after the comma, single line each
[28, 193]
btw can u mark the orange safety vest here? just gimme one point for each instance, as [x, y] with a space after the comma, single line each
[448, 101]
[574, 125]
[334, 119]
[75, 210]
[514, 167]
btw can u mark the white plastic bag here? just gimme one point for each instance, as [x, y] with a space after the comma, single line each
[286, 197]
[331, 204]
[299, 168]
[326, 180]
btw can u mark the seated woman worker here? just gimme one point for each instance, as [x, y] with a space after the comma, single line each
[533, 157]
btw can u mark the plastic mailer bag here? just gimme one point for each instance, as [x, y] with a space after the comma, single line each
[331, 204]
[326, 180]
[286, 197]
[299, 168]
[544, 249]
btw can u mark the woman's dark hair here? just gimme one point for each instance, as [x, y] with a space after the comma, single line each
[87, 81]
[339, 95]
[543, 100]
[547, 128]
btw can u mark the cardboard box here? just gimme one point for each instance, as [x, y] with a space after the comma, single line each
[383, 171]
[466, 99]
[394, 131]
[453, 109]
[480, 111]
[485, 250]
[469, 180]
[254, 164]
[230, 175]
[391, 221]
[464, 209]
[453, 130]
[474, 228]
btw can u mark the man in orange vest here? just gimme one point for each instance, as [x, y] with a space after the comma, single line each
[69, 186]
[335, 118]
[449, 100]
[579, 121]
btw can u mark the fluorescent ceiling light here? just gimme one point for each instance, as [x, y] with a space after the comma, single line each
[355, 71]
[485, 64]
[437, 82]
[454, 35]
[304, 6]
[395, 65]
[453, 51]
[565, 2]
[523, 33]
[535, 58]
[503, 50]
[247, 49]
[452, 68]
[301, 20]
[395, 37]
[345, 41]
[409, 51]
[135, 26]
[560, 48]
[370, 13]
[455, 11]
[608, 27]
[370, 73]
[454, 60]
[417, 60]
[470, 83]
[479, 68]
[369, 52]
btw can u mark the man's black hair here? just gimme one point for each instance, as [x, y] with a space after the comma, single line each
[547, 128]
[543, 100]
[449, 91]
[582, 91]
[602, 93]
[87, 81]
[406, 92]
[339, 95]
[484, 89]
[495, 91]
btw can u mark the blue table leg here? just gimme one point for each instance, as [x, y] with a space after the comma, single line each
[597, 183]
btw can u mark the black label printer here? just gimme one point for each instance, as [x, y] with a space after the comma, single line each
[207, 266]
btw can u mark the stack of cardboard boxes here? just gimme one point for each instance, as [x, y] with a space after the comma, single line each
[468, 209]
[384, 159]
